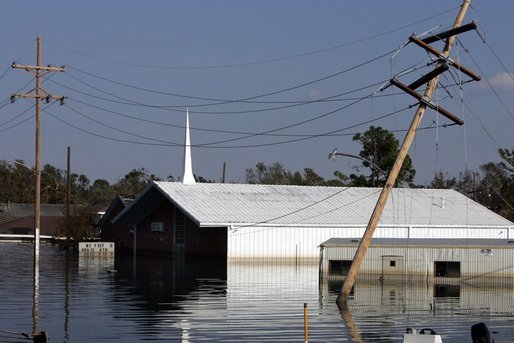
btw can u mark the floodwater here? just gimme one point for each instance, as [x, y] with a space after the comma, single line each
[101, 300]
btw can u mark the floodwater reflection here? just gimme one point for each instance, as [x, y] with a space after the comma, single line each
[191, 300]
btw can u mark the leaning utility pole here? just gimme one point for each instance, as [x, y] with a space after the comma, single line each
[38, 71]
[432, 79]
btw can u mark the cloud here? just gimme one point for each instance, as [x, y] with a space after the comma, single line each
[500, 82]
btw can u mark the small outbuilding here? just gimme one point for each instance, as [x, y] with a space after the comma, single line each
[442, 259]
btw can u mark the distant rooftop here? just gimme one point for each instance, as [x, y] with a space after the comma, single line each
[18, 210]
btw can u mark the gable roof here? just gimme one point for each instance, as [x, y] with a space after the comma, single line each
[216, 204]
[119, 200]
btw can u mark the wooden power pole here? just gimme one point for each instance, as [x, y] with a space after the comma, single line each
[38, 71]
[432, 80]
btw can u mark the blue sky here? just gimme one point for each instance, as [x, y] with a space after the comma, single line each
[133, 67]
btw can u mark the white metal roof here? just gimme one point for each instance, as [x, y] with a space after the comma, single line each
[215, 204]
[421, 242]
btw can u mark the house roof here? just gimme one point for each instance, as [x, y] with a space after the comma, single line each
[119, 200]
[215, 204]
[17, 210]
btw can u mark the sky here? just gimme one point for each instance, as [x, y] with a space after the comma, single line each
[263, 81]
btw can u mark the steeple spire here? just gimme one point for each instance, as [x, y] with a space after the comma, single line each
[187, 175]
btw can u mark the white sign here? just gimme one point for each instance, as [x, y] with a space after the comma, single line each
[96, 248]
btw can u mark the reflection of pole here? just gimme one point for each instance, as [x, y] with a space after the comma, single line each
[391, 179]
[66, 297]
[352, 328]
[134, 246]
[35, 302]
[305, 323]
[68, 188]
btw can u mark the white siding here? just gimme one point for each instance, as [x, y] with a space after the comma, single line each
[303, 243]
[420, 260]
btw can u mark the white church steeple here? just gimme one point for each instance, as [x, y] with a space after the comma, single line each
[187, 175]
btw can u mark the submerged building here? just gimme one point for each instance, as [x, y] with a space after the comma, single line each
[442, 259]
[290, 222]
[249, 222]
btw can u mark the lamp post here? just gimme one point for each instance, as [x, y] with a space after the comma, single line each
[333, 156]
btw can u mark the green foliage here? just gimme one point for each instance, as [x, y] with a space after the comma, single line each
[380, 147]
[276, 174]
[134, 182]
[16, 182]
[101, 192]
[78, 225]
[491, 186]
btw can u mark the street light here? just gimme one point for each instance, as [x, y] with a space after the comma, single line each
[333, 156]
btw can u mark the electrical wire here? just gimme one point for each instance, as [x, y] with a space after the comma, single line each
[488, 82]
[233, 147]
[496, 55]
[300, 210]
[102, 136]
[5, 72]
[16, 117]
[382, 33]
[226, 101]
[117, 129]
[183, 127]
[413, 68]
[331, 98]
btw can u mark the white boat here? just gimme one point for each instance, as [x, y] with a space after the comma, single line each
[479, 334]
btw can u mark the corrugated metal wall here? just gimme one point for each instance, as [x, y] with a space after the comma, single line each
[303, 243]
[474, 262]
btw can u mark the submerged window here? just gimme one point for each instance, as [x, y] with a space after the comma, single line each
[339, 267]
[447, 269]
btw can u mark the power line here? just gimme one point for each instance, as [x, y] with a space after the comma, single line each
[326, 134]
[226, 101]
[171, 144]
[101, 136]
[331, 98]
[16, 117]
[117, 129]
[489, 83]
[383, 33]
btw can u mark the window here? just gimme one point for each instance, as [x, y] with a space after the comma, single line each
[447, 269]
[337, 267]
[157, 226]
[179, 227]
[392, 263]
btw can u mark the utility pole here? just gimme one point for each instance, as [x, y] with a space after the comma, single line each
[432, 79]
[38, 71]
